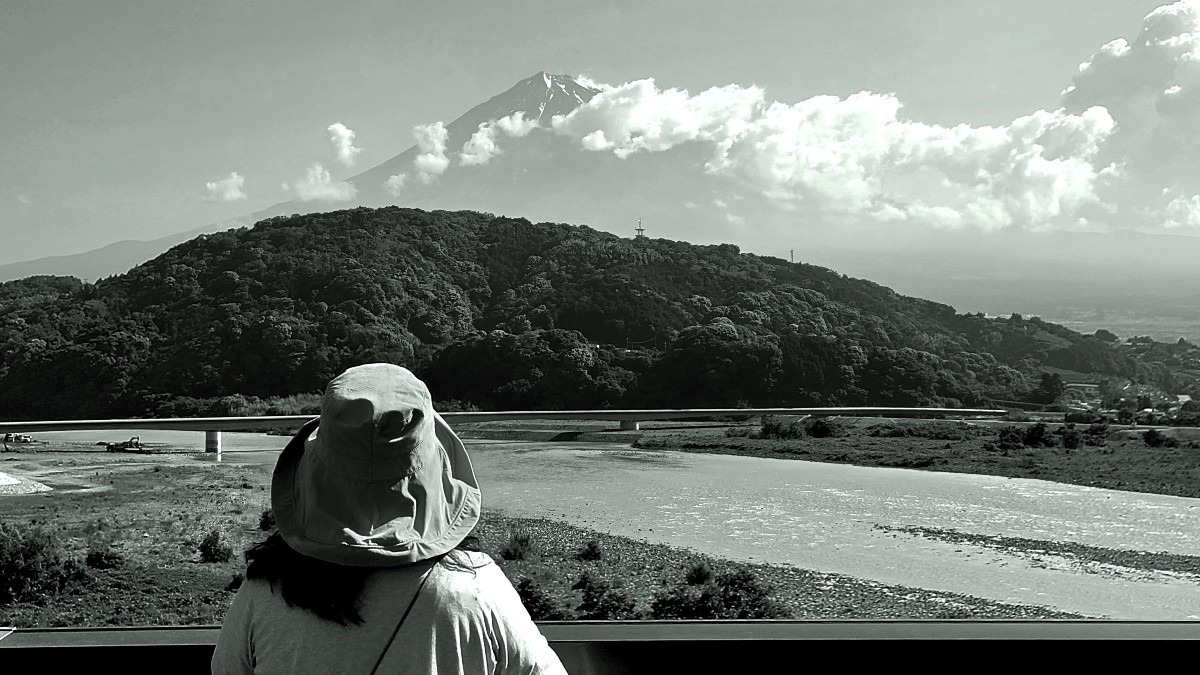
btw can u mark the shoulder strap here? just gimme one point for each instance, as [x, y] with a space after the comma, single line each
[404, 616]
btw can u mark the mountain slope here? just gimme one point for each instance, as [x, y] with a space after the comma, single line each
[544, 176]
[504, 313]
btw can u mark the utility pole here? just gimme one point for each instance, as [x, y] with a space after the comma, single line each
[792, 256]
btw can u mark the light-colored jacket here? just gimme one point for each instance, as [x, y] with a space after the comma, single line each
[465, 621]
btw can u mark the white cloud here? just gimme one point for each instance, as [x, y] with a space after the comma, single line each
[228, 189]
[516, 126]
[637, 116]
[395, 184]
[1175, 212]
[1150, 85]
[318, 185]
[431, 139]
[343, 142]
[482, 145]
[24, 199]
[852, 155]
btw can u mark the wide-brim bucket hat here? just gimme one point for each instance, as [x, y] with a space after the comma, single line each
[379, 479]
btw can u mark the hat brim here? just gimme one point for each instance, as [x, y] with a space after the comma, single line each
[288, 505]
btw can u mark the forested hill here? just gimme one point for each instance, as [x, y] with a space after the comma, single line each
[503, 314]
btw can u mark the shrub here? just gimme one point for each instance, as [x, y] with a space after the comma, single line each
[266, 521]
[1072, 439]
[743, 596]
[519, 547]
[781, 427]
[938, 431]
[215, 547]
[590, 551]
[539, 604]
[732, 595]
[820, 427]
[1036, 436]
[1156, 439]
[1010, 438]
[683, 601]
[602, 601]
[103, 557]
[698, 573]
[235, 582]
[738, 432]
[33, 564]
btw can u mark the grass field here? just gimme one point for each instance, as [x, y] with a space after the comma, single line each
[1124, 462]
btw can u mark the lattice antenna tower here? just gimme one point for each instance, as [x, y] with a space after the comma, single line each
[641, 231]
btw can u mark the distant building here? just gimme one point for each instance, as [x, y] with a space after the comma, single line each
[1087, 388]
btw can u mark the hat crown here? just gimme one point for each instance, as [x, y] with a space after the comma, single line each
[372, 418]
[380, 479]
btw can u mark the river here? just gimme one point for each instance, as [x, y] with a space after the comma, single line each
[824, 517]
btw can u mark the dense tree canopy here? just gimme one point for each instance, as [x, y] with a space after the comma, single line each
[504, 313]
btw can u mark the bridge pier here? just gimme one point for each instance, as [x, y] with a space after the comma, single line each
[212, 443]
[629, 425]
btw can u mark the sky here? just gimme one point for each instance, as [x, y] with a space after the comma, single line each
[135, 120]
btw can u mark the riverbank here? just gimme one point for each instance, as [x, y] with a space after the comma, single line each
[152, 513]
[1123, 462]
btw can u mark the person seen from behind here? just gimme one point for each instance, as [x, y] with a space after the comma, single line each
[373, 567]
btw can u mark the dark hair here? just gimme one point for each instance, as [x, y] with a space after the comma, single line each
[329, 590]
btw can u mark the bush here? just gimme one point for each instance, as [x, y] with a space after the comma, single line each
[938, 431]
[519, 547]
[1072, 439]
[1098, 431]
[1010, 438]
[819, 427]
[539, 604]
[266, 522]
[33, 564]
[731, 595]
[590, 551]
[781, 427]
[103, 557]
[215, 547]
[602, 601]
[1036, 436]
[1156, 439]
[698, 573]
[235, 582]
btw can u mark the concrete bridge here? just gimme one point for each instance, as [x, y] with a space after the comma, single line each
[627, 419]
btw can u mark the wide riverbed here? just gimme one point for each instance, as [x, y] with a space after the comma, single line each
[825, 517]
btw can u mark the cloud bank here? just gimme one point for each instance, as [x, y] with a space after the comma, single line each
[343, 143]
[858, 156]
[228, 189]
